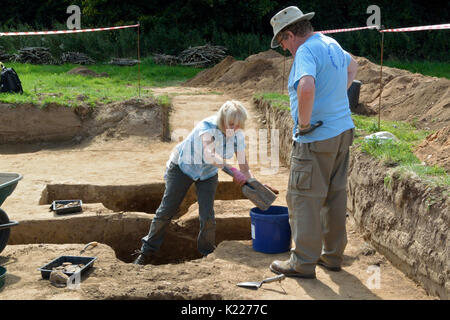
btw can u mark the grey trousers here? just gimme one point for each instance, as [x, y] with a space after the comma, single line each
[177, 185]
[317, 201]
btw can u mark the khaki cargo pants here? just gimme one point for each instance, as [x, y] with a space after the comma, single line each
[317, 201]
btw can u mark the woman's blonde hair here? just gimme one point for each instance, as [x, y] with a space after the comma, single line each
[231, 111]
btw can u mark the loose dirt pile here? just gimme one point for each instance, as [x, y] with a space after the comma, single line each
[435, 149]
[412, 97]
[258, 73]
[406, 96]
[420, 100]
[210, 75]
[83, 71]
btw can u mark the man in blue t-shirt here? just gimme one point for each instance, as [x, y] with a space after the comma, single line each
[323, 132]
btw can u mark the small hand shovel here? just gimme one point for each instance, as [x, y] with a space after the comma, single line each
[93, 244]
[256, 285]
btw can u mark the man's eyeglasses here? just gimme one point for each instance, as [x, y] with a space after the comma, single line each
[281, 36]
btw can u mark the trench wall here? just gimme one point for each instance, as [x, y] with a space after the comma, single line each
[403, 218]
[28, 123]
[141, 197]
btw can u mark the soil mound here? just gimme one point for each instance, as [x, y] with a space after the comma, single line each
[83, 71]
[258, 73]
[208, 75]
[406, 96]
[435, 149]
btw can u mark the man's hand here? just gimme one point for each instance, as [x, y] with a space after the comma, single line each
[305, 130]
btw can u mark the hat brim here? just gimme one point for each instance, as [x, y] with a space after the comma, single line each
[274, 42]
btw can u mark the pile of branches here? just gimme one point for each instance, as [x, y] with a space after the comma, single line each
[165, 59]
[202, 56]
[76, 58]
[123, 62]
[35, 55]
[4, 56]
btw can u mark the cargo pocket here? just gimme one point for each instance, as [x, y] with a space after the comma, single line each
[301, 175]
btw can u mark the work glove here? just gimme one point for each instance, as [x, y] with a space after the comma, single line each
[238, 176]
[302, 132]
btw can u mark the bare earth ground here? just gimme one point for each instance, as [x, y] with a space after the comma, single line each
[137, 160]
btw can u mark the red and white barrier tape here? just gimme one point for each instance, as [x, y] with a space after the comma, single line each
[349, 29]
[432, 27]
[31, 33]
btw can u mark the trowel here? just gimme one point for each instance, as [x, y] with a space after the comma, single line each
[256, 192]
[90, 244]
[256, 285]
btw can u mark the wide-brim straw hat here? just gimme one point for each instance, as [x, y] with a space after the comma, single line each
[284, 18]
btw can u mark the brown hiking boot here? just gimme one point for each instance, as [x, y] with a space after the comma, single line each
[284, 267]
[322, 263]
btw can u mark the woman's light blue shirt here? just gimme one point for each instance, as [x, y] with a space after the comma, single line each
[188, 154]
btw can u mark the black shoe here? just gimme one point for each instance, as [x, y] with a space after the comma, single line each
[140, 260]
[322, 263]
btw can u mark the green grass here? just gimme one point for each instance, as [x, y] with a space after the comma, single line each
[429, 68]
[44, 84]
[164, 100]
[402, 130]
[398, 153]
[277, 100]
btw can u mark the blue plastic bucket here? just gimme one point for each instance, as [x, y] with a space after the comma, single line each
[271, 232]
[2, 276]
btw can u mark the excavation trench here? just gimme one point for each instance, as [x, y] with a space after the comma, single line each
[120, 216]
[407, 219]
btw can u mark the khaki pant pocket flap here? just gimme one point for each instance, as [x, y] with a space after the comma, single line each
[301, 175]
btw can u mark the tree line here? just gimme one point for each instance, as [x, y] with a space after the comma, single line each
[171, 26]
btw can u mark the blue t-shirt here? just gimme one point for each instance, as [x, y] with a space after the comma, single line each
[322, 58]
[188, 154]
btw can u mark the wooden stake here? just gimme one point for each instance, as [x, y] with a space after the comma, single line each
[139, 61]
[284, 72]
[381, 81]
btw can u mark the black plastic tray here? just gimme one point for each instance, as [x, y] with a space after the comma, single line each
[66, 210]
[48, 268]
